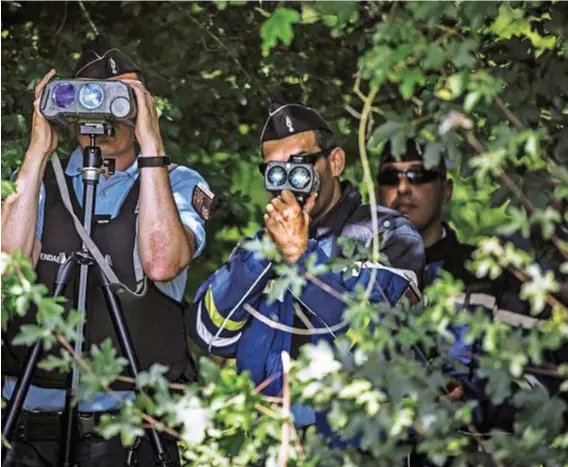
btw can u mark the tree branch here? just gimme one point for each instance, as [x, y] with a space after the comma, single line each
[88, 18]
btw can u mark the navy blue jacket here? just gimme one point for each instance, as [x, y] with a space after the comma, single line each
[221, 325]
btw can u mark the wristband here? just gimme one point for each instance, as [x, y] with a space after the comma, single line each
[160, 161]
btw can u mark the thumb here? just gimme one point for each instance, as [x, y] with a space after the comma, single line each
[310, 203]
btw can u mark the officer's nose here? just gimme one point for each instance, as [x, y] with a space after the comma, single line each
[403, 185]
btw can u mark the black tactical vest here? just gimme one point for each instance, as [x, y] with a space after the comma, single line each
[155, 321]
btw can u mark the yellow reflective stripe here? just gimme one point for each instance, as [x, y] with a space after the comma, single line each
[218, 319]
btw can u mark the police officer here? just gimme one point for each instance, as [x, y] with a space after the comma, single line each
[406, 185]
[221, 323]
[151, 213]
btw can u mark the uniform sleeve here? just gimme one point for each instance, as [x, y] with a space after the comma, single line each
[404, 247]
[184, 182]
[324, 300]
[217, 316]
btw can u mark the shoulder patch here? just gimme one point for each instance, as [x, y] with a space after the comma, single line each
[202, 200]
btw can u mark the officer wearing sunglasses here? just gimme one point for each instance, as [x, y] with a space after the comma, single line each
[406, 185]
[420, 193]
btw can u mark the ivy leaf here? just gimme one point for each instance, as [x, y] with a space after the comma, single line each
[498, 382]
[409, 81]
[384, 132]
[154, 377]
[51, 363]
[537, 290]
[127, 424]
[432, 154]
[278, 28]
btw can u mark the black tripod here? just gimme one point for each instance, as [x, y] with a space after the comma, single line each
[91, 170]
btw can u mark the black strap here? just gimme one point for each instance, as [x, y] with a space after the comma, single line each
[160, 161]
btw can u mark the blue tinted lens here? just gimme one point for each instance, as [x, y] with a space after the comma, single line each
[91, 96]
[300, 178]
[276, 176]
[64, 95]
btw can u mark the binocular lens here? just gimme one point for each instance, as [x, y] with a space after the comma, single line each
[64, 95]
[277, 176]
[91, 96]
[300, 178]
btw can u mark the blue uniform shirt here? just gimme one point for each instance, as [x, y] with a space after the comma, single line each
[111, 193]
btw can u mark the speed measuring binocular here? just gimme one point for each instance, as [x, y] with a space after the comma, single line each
[80, 100]
[300, 177]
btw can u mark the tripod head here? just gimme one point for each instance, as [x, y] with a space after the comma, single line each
[93, 162]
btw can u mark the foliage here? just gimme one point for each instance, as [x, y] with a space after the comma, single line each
[484, 83]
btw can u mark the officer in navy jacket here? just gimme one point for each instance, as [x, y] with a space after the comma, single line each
[151, 223]
[404, 184]
[220, 322]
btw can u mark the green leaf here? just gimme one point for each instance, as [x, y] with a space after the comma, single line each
[384, 132]
[457, 84]
[498, 382]
[432, 154]
[409, 81]
[278, 28]
[471, 101]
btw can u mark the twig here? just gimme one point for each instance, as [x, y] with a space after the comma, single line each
[56, 33]
[513, 188]
[292, 330]
[357, 89]
[326, 288]
[351, 111]
[285, 446]
[88, 17]
[216, 39]
[266, 382]
[510, 115]
[368, 178]
[266, 411]
[298, 443]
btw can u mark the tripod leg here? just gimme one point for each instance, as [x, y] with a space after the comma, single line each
[117, 316]
[16, 402]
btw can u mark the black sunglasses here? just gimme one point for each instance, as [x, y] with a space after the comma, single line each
[308, 158]
[414, 175]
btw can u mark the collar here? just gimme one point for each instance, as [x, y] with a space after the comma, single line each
[333, 222]
[76, 162]
[440, 249]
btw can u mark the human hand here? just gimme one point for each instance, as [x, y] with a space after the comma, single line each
[43, 140]
[288, 224]
[455, 391]
[147, 124]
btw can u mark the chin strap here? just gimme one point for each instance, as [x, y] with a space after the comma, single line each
[116, 286]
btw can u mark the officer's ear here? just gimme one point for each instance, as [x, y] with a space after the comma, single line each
[448, 189]
[337, 161]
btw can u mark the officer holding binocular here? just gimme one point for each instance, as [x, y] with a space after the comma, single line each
[149, 218]
[310, 209]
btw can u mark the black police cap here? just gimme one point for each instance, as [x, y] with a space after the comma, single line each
[414, 151]
[287, 119]
[101, 60]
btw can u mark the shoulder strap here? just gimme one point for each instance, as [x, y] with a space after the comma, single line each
[116, 286]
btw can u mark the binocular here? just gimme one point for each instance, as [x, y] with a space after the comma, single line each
[80, 100]
[299, 177]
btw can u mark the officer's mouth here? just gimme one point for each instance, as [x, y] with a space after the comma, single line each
[405, 208]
